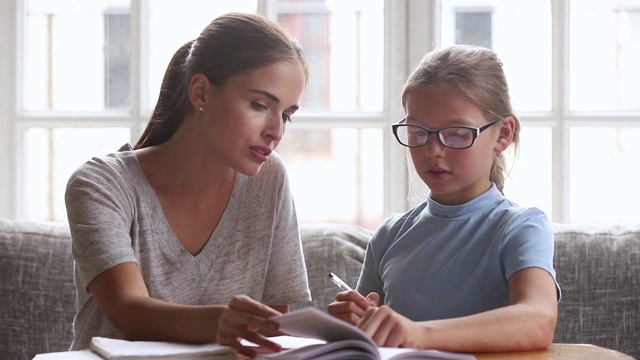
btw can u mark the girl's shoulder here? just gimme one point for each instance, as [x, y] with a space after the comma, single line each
[396, 223]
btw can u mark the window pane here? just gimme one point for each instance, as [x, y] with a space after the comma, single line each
[336, 174]
[530, 179]
[77, 56]
[52, 155]
[497, 24]
[344, 42]
[604, 174]
[605, 53]
[170, 26]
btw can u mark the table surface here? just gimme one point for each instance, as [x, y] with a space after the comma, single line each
[560, 352]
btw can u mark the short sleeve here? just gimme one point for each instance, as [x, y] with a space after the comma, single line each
[98, 215]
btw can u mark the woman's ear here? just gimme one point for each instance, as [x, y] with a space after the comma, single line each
[506, 132]
[198, 87]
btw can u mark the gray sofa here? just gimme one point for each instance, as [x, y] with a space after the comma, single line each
[598, 268]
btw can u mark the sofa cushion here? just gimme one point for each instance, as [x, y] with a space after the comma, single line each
[37, 301]
[333, 248]
[598, 269]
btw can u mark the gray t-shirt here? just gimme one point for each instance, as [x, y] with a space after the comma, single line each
[116, 217]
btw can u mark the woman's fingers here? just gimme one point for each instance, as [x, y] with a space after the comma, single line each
[242, 319]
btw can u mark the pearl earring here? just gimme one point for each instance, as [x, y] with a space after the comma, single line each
[200, 108]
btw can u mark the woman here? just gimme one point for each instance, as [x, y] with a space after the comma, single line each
[188, 236]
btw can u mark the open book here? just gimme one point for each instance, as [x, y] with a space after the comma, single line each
[114, 349]
[341, 340]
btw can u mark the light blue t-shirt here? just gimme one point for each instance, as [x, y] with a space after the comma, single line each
[439, 262]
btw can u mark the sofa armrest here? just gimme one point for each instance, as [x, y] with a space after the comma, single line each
[598, 269]
[37, 291]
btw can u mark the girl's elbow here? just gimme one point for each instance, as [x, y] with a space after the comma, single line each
[545, 330]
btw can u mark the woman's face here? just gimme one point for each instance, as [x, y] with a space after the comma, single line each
[454, 176]
[245, 119]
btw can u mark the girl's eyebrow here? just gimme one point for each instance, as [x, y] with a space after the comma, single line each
[450, 122]
[272, 97]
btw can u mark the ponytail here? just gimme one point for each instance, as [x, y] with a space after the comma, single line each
[172, 103]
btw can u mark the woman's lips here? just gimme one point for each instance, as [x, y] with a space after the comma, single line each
[260, 152]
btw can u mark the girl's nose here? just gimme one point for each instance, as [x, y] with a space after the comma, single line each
[433, 147]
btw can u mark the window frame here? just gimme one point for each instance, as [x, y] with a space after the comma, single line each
[409, 26]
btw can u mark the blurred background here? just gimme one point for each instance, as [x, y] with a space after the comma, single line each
[80, 78]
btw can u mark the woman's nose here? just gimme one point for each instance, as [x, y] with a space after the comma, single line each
[275, 128]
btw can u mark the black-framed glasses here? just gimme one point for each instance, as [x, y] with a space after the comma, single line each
[453, 137]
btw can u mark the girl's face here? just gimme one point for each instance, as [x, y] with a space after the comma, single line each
[245, 119]
[454, 176]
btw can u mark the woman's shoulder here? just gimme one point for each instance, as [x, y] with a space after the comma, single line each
[274, 170]
[275, 161]
[106, 168]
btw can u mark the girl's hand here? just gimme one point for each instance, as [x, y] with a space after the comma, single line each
[350, 305]
[388, 328]
[243, 319]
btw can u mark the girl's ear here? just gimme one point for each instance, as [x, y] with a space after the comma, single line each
[198, 87]
[505, 135]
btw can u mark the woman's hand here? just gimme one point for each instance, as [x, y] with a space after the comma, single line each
[350, 305]
[244, 318]
[388, 328]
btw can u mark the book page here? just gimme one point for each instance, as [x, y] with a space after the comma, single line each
[324, 326]
[341, 336]
[69, 355]
[338, 350]
[404, 353]
[288, 342]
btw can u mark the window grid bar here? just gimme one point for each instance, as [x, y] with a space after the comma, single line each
[560, 84]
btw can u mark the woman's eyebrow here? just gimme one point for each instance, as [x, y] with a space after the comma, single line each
[272, 97]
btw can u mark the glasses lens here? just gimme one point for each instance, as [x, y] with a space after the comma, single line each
[457, 137]
[410, 135]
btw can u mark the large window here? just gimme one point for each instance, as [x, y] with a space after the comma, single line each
[83, 77]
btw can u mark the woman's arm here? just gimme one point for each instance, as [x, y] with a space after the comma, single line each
[123, 297]
[528, 323]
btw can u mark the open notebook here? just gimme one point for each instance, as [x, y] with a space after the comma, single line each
[114, 349]
[338, 340]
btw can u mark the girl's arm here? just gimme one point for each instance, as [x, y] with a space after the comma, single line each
[527, 324]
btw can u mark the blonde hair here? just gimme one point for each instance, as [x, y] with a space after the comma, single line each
[476, 73]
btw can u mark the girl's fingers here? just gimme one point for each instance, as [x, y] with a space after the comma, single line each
[373, 299]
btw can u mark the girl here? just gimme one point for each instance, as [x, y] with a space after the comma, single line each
[185, 237]
[467, 270]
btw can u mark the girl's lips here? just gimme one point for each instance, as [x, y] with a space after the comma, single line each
[437, 174]
[260, 152]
